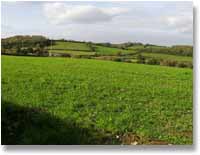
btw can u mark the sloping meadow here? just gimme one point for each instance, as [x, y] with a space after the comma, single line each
[79, 101]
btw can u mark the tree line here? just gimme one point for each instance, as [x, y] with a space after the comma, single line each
[174, 50]
[37, 45]
[182, 50]
[163, 62]
[25, 45]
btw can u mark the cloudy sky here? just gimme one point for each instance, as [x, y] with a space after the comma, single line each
[164, 23]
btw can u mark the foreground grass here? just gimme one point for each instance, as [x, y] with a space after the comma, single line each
[77, 101]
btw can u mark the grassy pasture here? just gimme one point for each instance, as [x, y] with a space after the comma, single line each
[72, 52]
[80, 101]
[76, 49]
[70, 46]
[136, 47]
[102, 50]
[168, 57]
[83, 49]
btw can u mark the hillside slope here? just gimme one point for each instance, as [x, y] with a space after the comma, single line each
[79, 101]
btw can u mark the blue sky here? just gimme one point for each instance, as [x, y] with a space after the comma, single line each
[164, 23]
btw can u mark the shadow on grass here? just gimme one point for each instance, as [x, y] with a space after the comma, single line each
[23, 126]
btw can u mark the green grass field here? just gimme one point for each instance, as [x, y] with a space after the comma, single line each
[80, 101]
[62, 47]
[70, 46]
[102, 50]
[136, 47]
[82, 49]
[168, 57]
[72, 52]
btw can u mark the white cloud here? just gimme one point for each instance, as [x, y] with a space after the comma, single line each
[152, 22]
[181, 23]
[58, 13]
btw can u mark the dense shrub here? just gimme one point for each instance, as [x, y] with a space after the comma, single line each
[140, 59]
[118, 59]
[185, 64]
[182, 64]
[172, 63]
[25, 41]
[119, 53]
[152, 61]
[90, 45]
[65, 55]
[128, 60]
[86, 56]
[76, 56]
[174, 50]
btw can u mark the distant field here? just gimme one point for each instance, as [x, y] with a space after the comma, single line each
[79, 101]
[111, 51]
[168, 57]
[136, 47]
[143, 46]
[70, 46]
[72, 52]
[74, 48]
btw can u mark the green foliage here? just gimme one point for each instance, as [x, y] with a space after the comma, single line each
[126, 45]
[185, 64]
[174, 50]
[161, 56]
[24, 41]
[153, 61]
[73, 53]
[118, 59]
[80, 101]
[168, 60]
[175, 56]
[171, 63]
[32, 51]
[140, 59]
